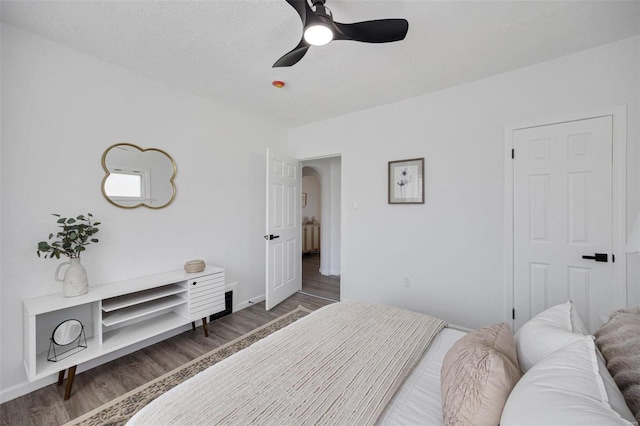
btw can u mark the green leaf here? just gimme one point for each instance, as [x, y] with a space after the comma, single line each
[72, 237]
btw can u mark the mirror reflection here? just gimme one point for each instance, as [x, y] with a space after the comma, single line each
[67, 332]
[138, 177]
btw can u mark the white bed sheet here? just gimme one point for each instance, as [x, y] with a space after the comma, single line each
[418, 401]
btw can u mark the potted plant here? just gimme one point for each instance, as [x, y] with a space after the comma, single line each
[71, 241]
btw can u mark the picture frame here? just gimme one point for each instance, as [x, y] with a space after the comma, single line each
[304, 199]
[406, 181]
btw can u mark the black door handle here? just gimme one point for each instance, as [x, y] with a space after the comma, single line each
[598, 257]
[271, 237]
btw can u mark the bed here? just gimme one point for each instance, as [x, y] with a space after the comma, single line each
[355, 363]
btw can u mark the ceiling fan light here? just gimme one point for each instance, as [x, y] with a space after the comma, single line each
[318, 35]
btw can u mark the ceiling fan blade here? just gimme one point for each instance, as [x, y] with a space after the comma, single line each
[294, 56]
[303, 9]
[376, 31]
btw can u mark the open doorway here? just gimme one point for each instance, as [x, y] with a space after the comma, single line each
[321, 227]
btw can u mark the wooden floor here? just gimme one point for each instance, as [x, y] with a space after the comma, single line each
[315, 283]
[100, 385]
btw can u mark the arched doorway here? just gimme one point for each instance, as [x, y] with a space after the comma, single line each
[321, 228]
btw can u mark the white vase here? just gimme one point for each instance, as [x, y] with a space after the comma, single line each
[75, 281]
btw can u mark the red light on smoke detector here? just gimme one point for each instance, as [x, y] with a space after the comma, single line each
[278, 83]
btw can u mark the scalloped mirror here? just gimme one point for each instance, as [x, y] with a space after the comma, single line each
[138, 177]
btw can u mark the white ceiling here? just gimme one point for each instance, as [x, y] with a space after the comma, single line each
[224, 50]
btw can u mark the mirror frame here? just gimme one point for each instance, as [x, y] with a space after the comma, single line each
[108, 172]
[69, 322]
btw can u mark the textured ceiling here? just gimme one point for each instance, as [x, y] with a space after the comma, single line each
[224, 50]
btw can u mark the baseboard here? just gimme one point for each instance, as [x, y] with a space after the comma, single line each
[20, 389]
[326, 273]
[247, 303]
[26, 387]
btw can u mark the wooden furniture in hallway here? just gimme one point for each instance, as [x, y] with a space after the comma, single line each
[311, 238]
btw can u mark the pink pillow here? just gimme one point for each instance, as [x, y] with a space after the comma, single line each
[478, 373]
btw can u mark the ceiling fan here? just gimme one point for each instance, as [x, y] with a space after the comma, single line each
[319, 28]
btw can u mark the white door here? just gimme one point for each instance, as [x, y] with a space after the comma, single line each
[283, 234]
[562, 194]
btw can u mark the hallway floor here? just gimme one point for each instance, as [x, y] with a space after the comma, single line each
[313, 282]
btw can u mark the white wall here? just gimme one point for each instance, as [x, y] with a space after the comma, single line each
[452, 247]
[61, 110]
[1, 210]
[335, 194]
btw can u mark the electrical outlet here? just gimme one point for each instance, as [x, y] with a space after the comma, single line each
[407, 282]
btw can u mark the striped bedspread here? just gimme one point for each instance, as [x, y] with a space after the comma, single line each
[339, 365]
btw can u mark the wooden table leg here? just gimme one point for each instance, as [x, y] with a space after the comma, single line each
[193, 325]
[204, 325]
[70, 377]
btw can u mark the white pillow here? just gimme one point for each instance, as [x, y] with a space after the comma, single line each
[564, 389]
[547, 332]
[577, 324]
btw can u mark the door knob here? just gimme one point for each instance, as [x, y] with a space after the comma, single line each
[598, 257]
[271, 237]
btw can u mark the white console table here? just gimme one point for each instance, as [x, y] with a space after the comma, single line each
[119, 314]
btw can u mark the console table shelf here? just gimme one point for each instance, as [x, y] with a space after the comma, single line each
[119, 314]
[140, 310]
[125, 336]
[120, 302]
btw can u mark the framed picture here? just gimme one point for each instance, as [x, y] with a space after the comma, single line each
[406, 181]
[304, 199]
